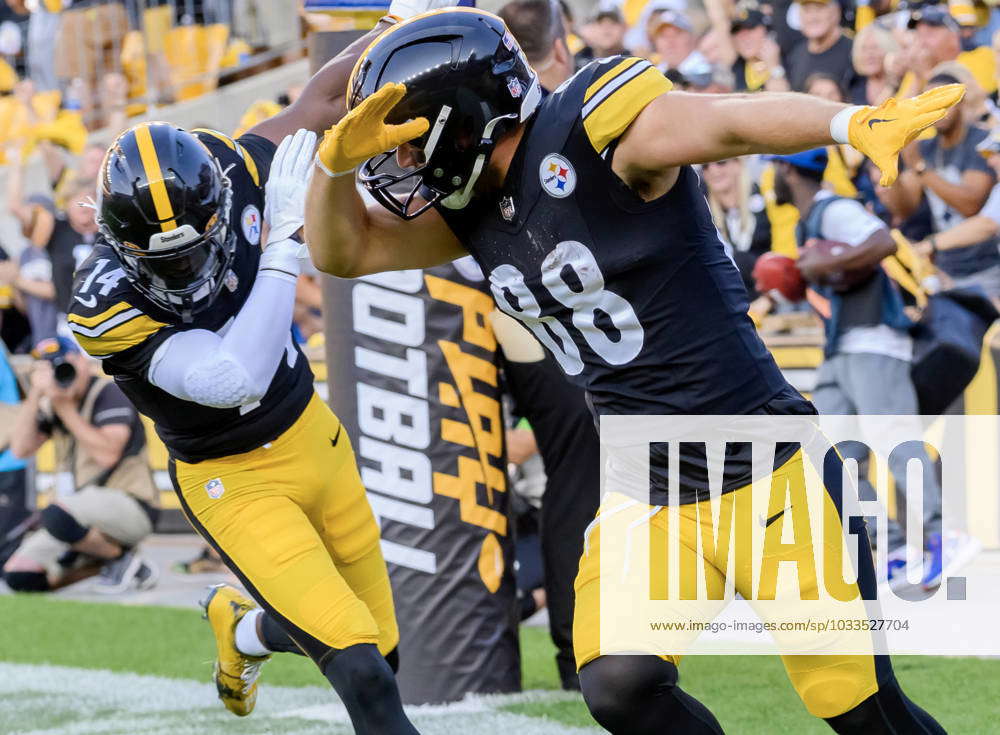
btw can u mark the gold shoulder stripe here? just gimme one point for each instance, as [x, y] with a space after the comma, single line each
[249, 163]
[93, 321]
[134, 331]
[218, 136]
[154, 175]
[614, 111]
[607, 76]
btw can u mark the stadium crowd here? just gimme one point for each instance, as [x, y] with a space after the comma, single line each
[72, 73]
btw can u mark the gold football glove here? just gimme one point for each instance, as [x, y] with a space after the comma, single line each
[364, 133]
[882, 132]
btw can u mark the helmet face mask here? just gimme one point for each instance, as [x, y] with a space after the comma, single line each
[464, 73]
[166, 214]
[186, 278]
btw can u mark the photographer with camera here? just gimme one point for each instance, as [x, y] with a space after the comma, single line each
[99, 438]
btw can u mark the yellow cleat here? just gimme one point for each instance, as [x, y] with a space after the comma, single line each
[235, 673]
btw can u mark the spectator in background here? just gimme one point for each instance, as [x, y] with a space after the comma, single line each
[956, 180]
[844, 174]
[824, 48]
[983, 227]
[604, 35]
[63, 171]
[938, 39]
[30, 274]
[753, 55]
[43, 31]
[538, 27]
[13, 470]
[72, 239]
[100, 438]
[824, 85]
[672, 36]
[738, 212]
[871, 47]
[866, 365]
[91, 36]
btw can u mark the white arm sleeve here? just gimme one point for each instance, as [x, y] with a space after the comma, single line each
[235, 369]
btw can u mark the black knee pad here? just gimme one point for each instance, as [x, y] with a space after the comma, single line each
[887, 712]
[615, 687]
[362, 674]
[61, 525]
[364, 681]
[27, 581]
[638, 695]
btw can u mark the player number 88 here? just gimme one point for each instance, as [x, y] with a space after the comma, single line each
[584, 303]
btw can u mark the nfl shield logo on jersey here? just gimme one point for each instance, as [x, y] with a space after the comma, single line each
[514, 87]
[557, 175]
[215, 488]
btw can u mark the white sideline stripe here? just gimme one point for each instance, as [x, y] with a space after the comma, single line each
[110, 703]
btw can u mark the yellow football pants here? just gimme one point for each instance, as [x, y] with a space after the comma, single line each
[828, 685]
[291, 519]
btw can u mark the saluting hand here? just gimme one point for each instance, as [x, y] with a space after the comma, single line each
[363, 132]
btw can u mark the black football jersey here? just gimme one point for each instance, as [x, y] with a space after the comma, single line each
[116, 324]
[637, 301]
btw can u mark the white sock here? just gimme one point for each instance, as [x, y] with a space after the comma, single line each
[247, 641]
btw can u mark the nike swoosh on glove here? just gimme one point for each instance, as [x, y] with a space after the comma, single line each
[363, 132]
[882, 132]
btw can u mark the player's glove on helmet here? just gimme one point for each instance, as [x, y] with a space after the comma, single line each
[466, 76]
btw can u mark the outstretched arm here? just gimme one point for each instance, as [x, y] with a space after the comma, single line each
[678, 128]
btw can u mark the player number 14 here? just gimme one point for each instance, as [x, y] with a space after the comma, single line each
[584, 299]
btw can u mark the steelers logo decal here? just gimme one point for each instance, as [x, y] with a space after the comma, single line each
[557, 175]
[251, 221]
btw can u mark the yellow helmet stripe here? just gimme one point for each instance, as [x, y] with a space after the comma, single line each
[157, 187]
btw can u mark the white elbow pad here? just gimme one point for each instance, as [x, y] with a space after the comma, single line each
[220, 381]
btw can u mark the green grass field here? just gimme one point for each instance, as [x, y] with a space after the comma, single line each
[121, 644]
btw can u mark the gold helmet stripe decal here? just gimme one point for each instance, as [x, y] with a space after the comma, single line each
[157, 186]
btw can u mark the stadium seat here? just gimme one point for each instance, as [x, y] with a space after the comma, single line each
[194, 57]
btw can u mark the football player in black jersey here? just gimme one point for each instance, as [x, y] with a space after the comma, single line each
[585, 212]
[187, 300]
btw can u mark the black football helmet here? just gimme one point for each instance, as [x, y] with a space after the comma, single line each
[467, 75]
[163, 204]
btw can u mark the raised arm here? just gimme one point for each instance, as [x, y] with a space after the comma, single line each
[678, 128]
[323, 100]
[348, 237]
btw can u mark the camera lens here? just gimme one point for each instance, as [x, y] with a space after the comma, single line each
[64, 373]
